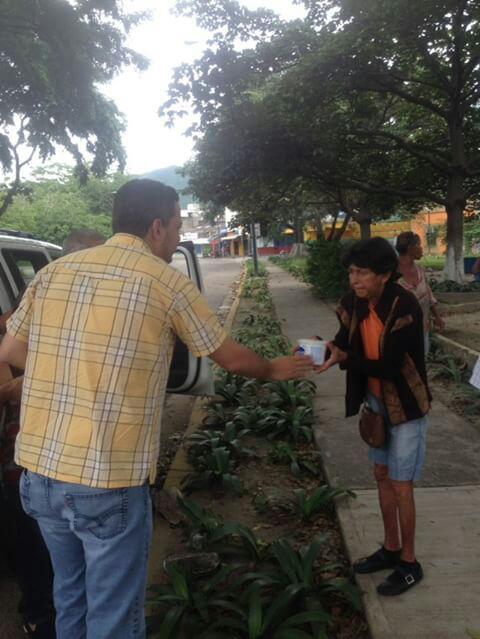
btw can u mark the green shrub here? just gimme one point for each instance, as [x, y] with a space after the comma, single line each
[434, 262]
[262, 271]
[450, 286]
[297, 266]
[324, 268]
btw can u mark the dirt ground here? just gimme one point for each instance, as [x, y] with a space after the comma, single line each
[465, 329]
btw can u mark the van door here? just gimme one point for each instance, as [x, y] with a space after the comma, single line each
[189, 374]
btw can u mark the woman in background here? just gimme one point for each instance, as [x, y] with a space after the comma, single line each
[413, 279]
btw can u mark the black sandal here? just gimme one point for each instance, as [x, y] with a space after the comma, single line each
[404, 577]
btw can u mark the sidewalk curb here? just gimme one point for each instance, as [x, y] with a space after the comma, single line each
[180, 466]
[466, 354]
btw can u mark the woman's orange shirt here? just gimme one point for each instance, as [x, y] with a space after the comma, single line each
[371, 330]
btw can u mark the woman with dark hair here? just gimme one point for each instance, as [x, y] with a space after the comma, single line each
[413, 279]
[380, 345]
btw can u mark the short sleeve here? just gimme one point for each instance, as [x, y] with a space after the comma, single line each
[18, 325]
[195, 323]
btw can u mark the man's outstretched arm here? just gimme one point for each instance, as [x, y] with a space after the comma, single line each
[240, 360]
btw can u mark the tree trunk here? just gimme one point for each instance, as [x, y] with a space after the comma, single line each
[366, 229]
[343, 228]
[299, 224]
[455, 207]
[364, 219]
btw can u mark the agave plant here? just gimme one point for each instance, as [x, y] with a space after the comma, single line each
[204, 442]
[320, 499]
[217, 415]
[291, 394]
[226, 538]
[185, 606]
[218, 469]
[282, 453]
[293, 425]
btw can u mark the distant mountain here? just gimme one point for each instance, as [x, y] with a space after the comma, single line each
[169, 175]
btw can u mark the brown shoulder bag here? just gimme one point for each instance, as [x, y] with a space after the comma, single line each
[372, 427]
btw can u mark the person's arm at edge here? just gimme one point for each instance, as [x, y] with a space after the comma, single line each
[240, 360]
[13, 351]
[11, 391]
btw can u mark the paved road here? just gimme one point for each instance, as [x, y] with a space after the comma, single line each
[218, 276]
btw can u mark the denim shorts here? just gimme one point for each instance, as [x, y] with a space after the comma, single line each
[404, 452]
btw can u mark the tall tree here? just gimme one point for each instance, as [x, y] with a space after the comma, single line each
[54, 55]
[423, 59]
[385, 93]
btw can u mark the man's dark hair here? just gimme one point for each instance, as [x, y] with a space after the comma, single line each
[139, 202]
[405, 240]
[376, 254]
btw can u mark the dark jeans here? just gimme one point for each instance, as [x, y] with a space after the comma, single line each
[31, 561]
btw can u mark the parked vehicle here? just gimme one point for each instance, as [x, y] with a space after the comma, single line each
[22, 257]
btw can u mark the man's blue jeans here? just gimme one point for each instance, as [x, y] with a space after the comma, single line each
[99, 541]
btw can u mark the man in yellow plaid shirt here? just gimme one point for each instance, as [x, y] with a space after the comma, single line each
[95, 333]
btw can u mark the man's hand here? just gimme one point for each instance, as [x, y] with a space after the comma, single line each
[336, 357]
[290, 367]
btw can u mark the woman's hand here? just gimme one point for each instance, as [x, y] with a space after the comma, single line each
[337, 356]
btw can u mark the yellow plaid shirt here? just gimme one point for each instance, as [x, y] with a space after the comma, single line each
[100, 326]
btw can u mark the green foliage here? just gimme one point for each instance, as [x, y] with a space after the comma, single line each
[59, 53]
[262, 271]
[434, 262]
[295, 424]
[291, 394]
[297, 266]
[326, 274]
[450, 286]
[320, 499]
[204, 442]
[399, 125]
[57, 203]
[217, 469]
[183, 607]
[282, 453]
[208, 532]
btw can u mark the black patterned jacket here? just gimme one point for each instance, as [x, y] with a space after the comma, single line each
[401, 367]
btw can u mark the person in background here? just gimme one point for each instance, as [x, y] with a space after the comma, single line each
[95, 333]
[476, 270]
[80, 239]
[413, 279]
[380, 345]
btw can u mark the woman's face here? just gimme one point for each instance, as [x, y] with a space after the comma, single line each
[367, 284]
[416, 250]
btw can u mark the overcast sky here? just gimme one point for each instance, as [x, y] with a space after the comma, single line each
[167, 41]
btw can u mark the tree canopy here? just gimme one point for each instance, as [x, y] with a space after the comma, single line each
[54, 56]
[55, 203]
[376, 103]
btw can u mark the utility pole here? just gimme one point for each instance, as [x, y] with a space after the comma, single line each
[254, 248]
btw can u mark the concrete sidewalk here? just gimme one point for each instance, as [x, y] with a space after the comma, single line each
[447, 602]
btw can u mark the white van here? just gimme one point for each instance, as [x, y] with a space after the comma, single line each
[21, 257]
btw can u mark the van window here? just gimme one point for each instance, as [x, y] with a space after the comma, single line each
[179, 261]
[23, 264]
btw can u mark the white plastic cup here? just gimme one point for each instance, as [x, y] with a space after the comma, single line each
[316, 348]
